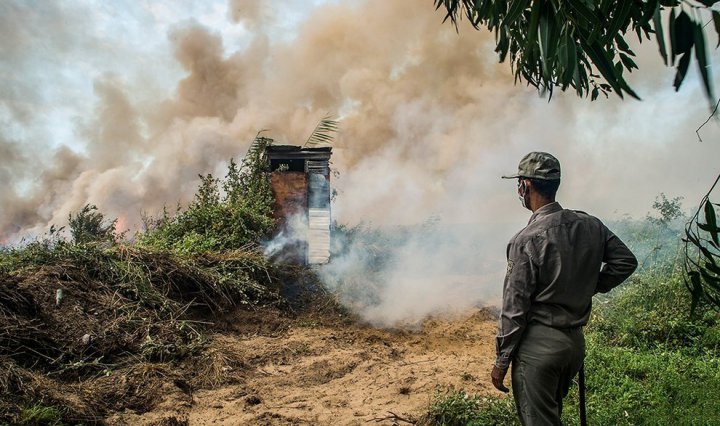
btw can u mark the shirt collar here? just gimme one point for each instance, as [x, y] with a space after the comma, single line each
[545, 210]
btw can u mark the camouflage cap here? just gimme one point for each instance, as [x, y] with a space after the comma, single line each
[538, 165]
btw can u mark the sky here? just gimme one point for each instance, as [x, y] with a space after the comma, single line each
[122, 104]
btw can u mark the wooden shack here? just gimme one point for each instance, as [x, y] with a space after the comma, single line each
[300, 179]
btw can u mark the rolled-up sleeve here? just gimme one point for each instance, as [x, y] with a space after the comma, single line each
[619, 264]
[520, 283]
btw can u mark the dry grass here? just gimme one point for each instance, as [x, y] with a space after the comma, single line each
[129, 322]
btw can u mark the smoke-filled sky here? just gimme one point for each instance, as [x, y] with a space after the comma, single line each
[121, 104]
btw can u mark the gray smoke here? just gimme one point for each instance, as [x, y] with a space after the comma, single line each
[429, 121]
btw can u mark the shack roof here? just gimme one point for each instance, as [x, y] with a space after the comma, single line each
[275, 152]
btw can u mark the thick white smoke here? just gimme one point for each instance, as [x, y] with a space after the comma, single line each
[429, 123]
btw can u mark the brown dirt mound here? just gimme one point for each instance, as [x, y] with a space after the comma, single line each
[89, 329]
[150, 338]
[338, 373]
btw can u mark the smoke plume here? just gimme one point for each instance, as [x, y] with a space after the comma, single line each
[429, 121]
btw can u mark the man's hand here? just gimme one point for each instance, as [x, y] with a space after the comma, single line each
[498, 376]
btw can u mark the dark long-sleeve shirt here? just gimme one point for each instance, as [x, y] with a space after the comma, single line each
[555, 266]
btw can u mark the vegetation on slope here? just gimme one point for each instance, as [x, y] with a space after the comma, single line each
[92, 323]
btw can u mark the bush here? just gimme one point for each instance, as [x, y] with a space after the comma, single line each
[461, 409]
[89, 225]
[652, 311]
[627, 386]
[89, 315]
[225, 214]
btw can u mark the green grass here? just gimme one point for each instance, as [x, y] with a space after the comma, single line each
[40, 415]
[459, 408]
[652, 311]
[627, 386]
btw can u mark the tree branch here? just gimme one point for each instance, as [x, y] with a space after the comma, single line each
[697, 131]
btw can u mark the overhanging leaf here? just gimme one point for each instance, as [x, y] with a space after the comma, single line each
[684, 34]
[585, 17]
[516, 8]
[659, 34]
[711, 221]
[570, 59]
[710, 257]
[712, 267]
[701, 56]
[533, 26]
[628, 62]
[682, 68]
[671, 26]
[707, 228]
[547, 41]
[619, 20]
[599, 58]
[711, 280]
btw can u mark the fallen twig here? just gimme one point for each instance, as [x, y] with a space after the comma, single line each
[394, 417]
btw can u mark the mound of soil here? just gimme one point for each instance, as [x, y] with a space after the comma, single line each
[123, 336]
[327, 371]
[85, 330]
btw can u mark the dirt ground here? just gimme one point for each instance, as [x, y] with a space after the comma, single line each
[300, 371]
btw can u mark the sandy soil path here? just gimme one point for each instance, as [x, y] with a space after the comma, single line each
[307, 373]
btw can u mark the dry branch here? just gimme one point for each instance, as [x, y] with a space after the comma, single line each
[394, 417]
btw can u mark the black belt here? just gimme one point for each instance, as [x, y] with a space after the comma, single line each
[581, 391]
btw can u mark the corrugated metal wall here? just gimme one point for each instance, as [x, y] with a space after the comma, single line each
[318, 212]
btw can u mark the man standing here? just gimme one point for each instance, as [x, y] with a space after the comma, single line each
[555, 266]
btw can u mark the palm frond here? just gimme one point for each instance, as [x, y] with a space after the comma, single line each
[256, 151]
[323, 133]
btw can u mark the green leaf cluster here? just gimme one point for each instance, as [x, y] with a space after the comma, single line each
[652, 312]
[630, 386]
[583, 43]
[225, 214]
[459, 408]
[89, 225]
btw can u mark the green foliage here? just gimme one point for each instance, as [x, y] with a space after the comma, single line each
[41, 415]
[630, 386]
[563, 44]
[226, 214]
[668, 209]
[461, 409]
[648, 361]
[89, 225]
[655, 240]
[652, 312]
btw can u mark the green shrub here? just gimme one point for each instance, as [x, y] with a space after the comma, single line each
[226, 214]
[89, 225]
[627, 386]
[652, 311]
[40, 415]
[460, 409]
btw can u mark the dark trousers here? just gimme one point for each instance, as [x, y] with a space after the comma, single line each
[543, 367]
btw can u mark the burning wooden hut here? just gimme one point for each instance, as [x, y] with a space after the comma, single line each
[300, 180]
